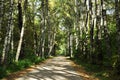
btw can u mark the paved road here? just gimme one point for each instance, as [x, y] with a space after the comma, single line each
[58, 68]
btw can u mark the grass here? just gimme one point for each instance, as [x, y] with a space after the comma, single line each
[20, 65]
[101, 72]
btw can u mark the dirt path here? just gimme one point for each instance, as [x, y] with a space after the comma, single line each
[57, 68]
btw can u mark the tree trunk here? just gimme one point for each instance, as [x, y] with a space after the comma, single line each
[22, 30]
[7, 40]
[117, 11]
[1, 14]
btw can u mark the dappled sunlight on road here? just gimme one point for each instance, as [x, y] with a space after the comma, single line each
[58, 68]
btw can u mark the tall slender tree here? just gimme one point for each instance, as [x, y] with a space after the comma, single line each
[8, 36]
[21, 9]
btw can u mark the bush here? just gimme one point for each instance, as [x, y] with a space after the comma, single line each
[3, 72]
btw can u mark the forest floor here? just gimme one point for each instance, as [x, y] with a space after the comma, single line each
[56, 68]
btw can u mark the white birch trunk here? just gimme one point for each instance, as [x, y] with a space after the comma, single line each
[22, 32]
[7, 41]
[20, 41]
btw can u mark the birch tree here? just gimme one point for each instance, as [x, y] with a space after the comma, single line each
[21, 9]
[117, 16]
[8, 36]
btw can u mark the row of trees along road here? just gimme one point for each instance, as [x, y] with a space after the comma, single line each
[89, 30]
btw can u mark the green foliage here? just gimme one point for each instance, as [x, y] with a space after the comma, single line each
[3, 72]
[31, 59]
[102, 72]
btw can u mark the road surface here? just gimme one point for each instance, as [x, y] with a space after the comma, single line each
[57, 68]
